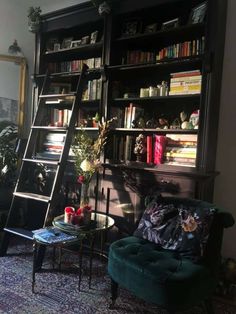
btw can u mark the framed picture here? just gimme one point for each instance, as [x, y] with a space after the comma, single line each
[50, 45]
[198, 13]
[60, 88]
[75, 43]
[170, 24]
[151, 28]
[66, 43]
[56, 47]
[94, 37]
[131, 28]
[85, 40]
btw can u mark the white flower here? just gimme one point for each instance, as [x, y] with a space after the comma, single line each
[86, 165]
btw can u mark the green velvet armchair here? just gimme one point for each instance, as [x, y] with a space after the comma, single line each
[165, 276]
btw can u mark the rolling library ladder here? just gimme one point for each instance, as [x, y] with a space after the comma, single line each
[30, 210]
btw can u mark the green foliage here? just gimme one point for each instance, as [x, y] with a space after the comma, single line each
[8, 157]
[87, 151]
[34, 14]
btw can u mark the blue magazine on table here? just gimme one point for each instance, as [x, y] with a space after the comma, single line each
[52, 235]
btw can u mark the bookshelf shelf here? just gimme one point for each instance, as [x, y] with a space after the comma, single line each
[160, 131]
[157, 98]
[180, 32]
[162, 169]
[184, 61]
[87, 51]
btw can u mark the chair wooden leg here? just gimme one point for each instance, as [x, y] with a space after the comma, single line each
[209, 306]
[114, 293]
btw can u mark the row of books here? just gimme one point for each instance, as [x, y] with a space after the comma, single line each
[74, 65]
[138, 56]
[185, 49]
[127, 116]
[92, 90]
[173, 149]
[183, 83]
[61, 117]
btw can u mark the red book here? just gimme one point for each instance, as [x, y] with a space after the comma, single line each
[149, 149]
[159, 149]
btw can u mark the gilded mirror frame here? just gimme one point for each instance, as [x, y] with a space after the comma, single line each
[21, 61]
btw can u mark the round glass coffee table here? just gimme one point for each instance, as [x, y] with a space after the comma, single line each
[100, 223]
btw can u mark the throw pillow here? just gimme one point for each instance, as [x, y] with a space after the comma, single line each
[177, 227]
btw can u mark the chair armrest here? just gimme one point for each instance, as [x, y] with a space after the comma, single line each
[226, 219]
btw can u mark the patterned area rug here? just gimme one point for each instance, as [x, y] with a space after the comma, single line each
[57, 292]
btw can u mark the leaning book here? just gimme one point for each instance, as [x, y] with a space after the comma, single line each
[52, 235]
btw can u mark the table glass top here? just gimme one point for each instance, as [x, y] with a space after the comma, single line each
[99, 222]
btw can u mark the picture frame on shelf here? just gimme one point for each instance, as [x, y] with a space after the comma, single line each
[75, 43]
[66, 43]
[198, 13]
[93, 37]
[150, 28]
[85, 40]
[131, 28]
[170, 24]
[53, 43]
[60, 88]
[56, 47]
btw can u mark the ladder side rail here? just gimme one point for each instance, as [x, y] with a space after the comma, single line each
[31, 139]
[66, 148]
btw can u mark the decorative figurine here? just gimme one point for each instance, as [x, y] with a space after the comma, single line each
[140, 147]
[163, 122]
[185, 125]
[194, 119]
[175, 124]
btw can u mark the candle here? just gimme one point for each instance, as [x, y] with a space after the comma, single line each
[68, 214]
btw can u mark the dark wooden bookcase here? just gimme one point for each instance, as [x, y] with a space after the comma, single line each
[128, 42]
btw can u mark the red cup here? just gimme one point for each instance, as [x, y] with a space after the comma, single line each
[68, 212]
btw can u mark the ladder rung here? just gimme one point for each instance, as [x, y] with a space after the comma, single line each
[42, 161]
[36, 197]
[50, 128]
[58, 96]
[21, 232]
[93, 74]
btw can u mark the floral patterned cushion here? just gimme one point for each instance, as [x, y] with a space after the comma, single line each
[177, 227]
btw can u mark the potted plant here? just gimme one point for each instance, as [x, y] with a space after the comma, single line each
[87, 153]
[96, 120]
[104, 7]
[34, 19]
[8, 163]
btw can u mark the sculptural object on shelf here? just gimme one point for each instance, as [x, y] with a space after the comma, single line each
[140, 147]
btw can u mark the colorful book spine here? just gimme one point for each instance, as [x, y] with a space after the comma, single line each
[159, 149]
[149, 149]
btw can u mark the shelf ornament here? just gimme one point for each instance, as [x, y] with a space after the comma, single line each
[34, 19]
[87, 153]
[103, 7]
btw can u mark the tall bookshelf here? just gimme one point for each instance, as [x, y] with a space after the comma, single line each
[162, 64]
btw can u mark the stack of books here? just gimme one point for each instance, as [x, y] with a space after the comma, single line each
[54, 143]
[185, 83]
[181, 150]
